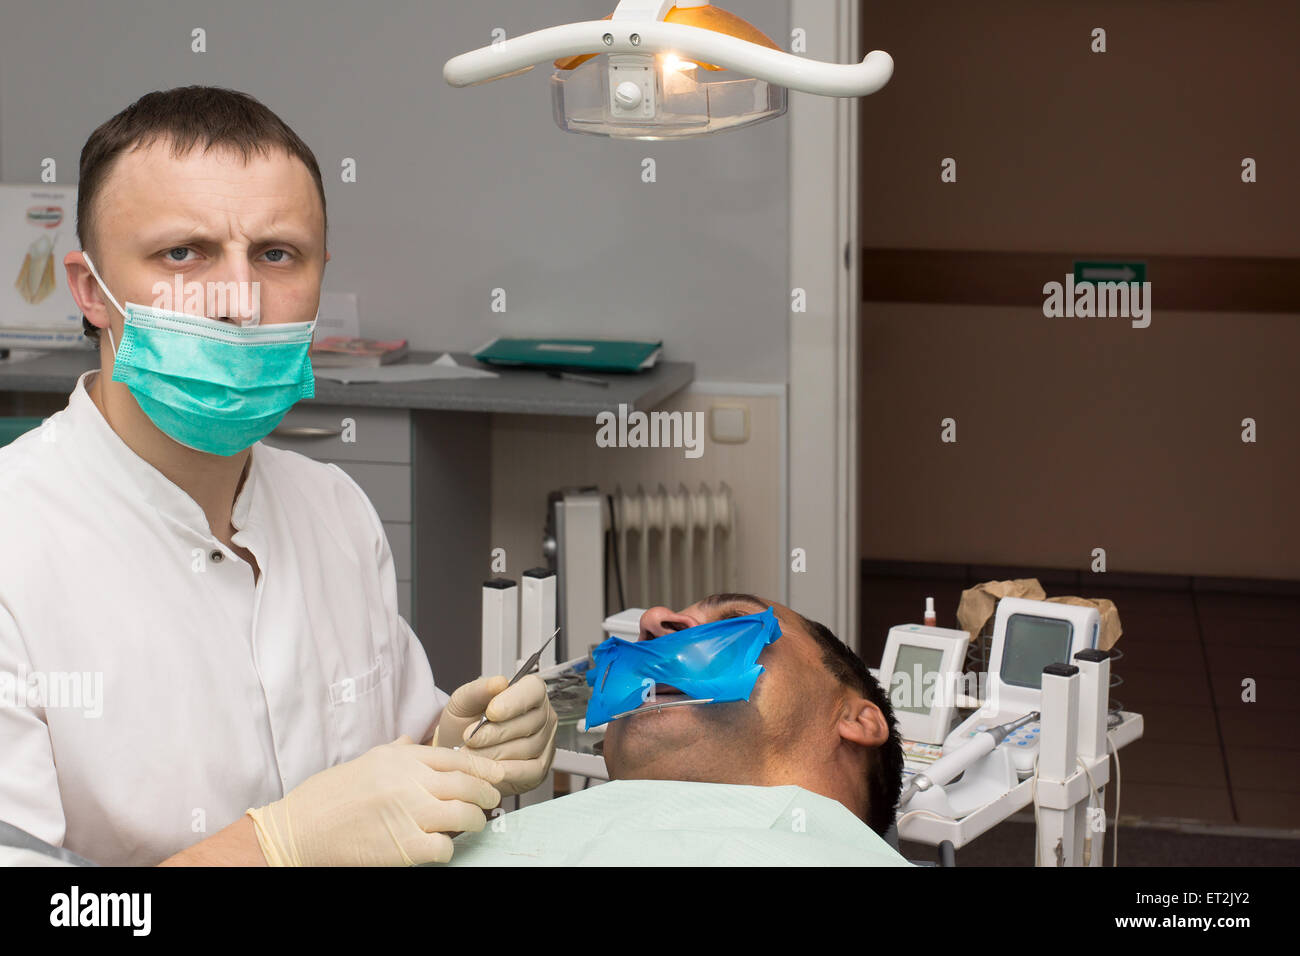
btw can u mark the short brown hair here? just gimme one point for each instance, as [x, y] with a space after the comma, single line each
[185, 116]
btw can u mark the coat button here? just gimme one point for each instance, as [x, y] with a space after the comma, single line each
[216, 557]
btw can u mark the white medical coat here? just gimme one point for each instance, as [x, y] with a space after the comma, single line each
[218, 694]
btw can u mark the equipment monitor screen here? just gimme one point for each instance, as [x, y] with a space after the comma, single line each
[1031, 643]
[913, 688]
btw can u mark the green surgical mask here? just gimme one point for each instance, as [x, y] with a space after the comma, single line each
[208, 385]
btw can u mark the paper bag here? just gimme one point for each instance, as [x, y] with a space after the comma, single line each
[1110, 630]
[979, 604]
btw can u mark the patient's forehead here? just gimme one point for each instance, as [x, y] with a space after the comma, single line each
[712, 609]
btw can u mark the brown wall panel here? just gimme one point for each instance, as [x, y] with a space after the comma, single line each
[1059, 148]
[1082, 433]
[1075, 434]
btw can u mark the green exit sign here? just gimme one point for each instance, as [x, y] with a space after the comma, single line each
[1110, 272]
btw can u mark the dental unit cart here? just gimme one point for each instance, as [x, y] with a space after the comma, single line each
[1042, 733]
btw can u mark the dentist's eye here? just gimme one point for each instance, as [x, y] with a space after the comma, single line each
[278, 255]
[175, 249]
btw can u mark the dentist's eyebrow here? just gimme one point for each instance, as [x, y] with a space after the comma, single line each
[180, 234]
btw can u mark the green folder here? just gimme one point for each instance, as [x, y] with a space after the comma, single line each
[598, 355]
[11, 428]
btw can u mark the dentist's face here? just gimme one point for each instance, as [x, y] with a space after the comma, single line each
[210, 218]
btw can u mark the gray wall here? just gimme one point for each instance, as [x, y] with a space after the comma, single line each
[459, 191]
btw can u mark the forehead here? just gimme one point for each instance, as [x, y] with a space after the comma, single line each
[791, 626]
[216, 163]
[210, 184]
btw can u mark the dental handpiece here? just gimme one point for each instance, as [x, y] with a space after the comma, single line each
[947, 767]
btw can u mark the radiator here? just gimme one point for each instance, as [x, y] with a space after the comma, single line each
[675, 548]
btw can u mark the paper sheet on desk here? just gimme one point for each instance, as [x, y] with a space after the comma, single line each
[443, 367]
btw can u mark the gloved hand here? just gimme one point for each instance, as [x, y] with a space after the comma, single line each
[520, 733]
[395, 804]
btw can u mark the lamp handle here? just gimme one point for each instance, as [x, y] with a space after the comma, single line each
[519, 54]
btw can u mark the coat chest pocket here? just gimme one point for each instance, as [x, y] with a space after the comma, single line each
[361, 709]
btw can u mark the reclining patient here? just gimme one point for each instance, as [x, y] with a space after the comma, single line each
[805, 771]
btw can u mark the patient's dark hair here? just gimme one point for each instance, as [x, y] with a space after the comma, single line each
[885, 764]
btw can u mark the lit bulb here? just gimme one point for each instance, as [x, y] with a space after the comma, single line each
[679, 76]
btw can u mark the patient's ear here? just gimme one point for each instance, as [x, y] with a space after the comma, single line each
[861, 722]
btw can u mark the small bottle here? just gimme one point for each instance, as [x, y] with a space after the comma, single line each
[931, 619]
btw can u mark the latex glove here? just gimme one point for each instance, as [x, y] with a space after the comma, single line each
[520, 733]
[395, 804]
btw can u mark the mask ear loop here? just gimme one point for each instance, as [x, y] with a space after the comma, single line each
[94, 272]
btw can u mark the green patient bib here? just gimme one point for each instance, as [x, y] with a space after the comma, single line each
[675, 823]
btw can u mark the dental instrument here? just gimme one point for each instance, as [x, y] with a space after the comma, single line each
[519, 675]
[947, 767]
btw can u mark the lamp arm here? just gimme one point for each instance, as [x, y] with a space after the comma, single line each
[519, 54]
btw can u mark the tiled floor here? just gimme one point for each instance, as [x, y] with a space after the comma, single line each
[1207, 755]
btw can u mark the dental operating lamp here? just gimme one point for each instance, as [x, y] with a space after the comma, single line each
[638, 74]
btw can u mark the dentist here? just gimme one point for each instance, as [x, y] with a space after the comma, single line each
[201, 657]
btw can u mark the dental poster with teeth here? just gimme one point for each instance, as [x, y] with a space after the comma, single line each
[37, 229]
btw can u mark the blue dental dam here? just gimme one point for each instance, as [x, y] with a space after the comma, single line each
[717, 661]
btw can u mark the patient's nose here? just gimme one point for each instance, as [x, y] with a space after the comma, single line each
[658, 621]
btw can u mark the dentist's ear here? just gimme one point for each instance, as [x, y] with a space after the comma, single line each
[85, 290]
